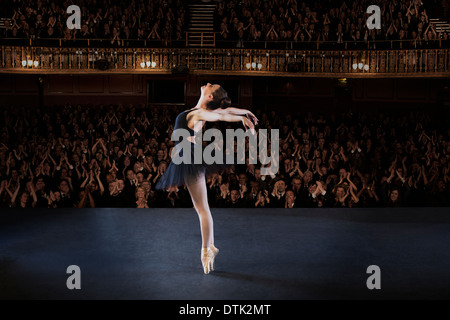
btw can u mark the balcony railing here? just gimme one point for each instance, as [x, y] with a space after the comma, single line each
[201, 38]
[412, 62]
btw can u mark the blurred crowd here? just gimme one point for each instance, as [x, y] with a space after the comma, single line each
[114, 20]
[245, 22]
[239, 23]
[113, 156]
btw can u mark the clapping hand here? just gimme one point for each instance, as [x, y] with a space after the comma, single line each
[243, 189]
[224, 191]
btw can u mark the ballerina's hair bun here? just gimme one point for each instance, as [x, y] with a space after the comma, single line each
[221, 100]
[225, 102]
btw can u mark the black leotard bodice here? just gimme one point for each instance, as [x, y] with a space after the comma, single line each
[181, 122]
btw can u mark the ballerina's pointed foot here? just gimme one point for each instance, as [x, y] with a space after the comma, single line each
[215, 252]
[207, 256]
[206, 260]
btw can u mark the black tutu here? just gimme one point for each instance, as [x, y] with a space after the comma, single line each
[178, 174]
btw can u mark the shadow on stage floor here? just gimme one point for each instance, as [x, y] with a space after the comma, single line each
[274, 254]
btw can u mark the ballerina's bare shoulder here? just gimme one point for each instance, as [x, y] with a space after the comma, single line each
[196, 118]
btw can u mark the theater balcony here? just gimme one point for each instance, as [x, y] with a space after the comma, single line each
[395, 59]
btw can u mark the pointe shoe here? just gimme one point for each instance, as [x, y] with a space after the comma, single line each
[215, 252]
[206, 256]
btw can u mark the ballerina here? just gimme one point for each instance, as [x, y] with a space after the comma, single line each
[213, 105]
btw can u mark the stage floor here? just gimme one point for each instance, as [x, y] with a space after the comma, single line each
[265, 254]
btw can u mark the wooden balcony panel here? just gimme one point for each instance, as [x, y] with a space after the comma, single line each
[311, 63]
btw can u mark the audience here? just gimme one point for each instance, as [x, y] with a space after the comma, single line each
[241, 23]
[113, 156]
[306, 22]
[113, 20]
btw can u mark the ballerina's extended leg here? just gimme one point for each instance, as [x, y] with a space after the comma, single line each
[199, 195]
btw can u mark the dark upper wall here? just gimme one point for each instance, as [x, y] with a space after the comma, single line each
[281, 93]
[27, 90]
[305, 94]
